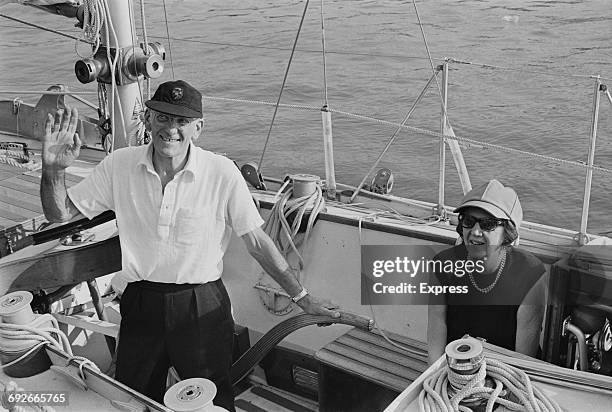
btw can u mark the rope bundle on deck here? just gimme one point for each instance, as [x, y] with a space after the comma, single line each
[471, 382]
[284, 233]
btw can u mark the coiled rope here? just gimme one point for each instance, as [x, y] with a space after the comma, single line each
[284, 234]
[435, 396]
[93, 21]
[455, 387]
[36, 333]
[17, 159]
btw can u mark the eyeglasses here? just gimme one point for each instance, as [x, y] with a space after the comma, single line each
[486, 224]
[180, 121]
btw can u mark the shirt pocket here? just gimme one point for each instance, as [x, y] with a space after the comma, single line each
[193, 227]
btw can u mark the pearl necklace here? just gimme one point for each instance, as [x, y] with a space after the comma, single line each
[501, 262]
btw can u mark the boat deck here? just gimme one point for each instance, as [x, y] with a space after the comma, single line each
[262, 398]
[19, 195]
[21, 211]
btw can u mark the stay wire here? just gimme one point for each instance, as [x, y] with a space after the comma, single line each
[169, 41]
[134, 39]
[27, 23]
[546, 72]
[325, 102]
[145, 41]
[297, 36]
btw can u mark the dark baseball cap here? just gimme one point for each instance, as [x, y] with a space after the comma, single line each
[176, 98]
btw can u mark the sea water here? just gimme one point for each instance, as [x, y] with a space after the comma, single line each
[537, 98]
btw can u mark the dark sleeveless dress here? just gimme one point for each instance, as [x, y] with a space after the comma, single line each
[491, 315]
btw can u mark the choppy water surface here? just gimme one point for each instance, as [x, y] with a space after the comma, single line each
[376, 66]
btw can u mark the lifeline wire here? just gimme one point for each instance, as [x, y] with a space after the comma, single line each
[464, 140]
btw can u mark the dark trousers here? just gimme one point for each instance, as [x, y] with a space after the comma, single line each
[189, 327]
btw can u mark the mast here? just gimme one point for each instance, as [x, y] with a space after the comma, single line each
[118, 65]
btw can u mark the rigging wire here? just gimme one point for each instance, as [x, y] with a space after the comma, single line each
[433, 69]
[134, 39]
[393, 137]
[146, 43]
[169, 42]
[466, 142]
[444, 109]
[27, 23]
[552, 72]
[297, 36]
[325, 102]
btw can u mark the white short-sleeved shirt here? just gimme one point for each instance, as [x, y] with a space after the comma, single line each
[179, 236]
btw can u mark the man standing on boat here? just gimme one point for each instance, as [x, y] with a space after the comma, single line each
[176, 205]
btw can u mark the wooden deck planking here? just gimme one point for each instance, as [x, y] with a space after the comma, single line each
[20, 199]
[20, 191]
[381, 352]
[22, 186]
[5, 223]
[29, 178]
[375, 359]
[5, 174]
[16, 193]
[370, 356]
[15, 213]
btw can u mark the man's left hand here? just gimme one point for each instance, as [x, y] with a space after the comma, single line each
[314, 306]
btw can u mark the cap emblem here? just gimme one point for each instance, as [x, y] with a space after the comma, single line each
[177, 93]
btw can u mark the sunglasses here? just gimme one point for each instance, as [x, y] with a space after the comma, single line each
[487, 224]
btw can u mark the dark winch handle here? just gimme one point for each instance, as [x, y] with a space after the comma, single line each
[256, 353]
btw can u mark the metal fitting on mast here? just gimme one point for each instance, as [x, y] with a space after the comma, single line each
[133, 62]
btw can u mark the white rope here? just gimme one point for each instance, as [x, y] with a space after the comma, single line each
[17, 338]
[396, 215]
[282, 233]
[92, 24]
[17, 159]
[435, 393]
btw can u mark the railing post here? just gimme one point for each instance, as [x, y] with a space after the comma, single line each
[330, 174]
[589, 174]
[442, 153]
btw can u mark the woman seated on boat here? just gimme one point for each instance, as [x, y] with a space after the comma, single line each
[506, 290]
